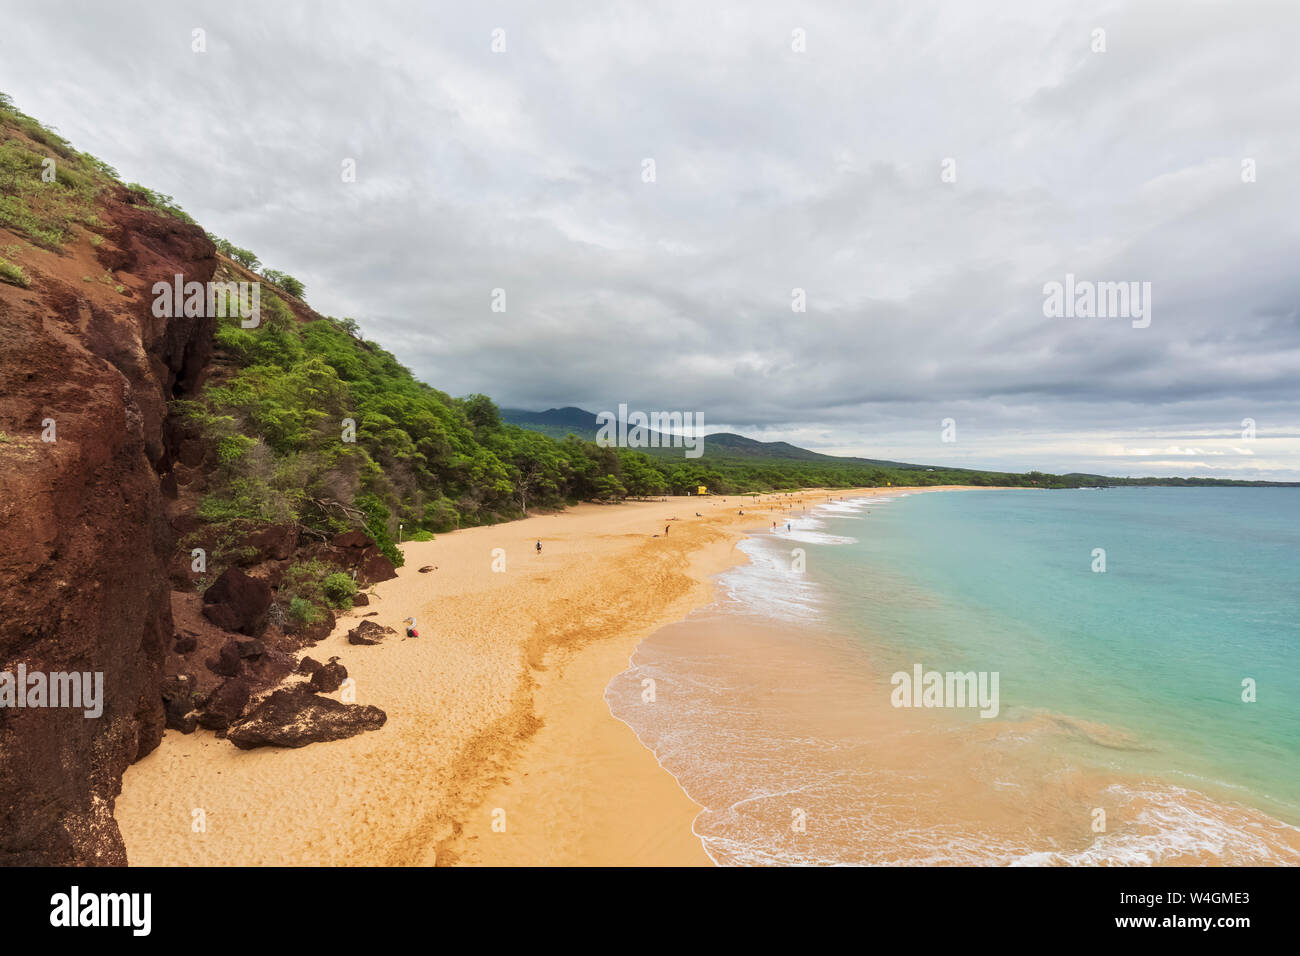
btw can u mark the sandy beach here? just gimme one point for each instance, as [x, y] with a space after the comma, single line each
[500, 748]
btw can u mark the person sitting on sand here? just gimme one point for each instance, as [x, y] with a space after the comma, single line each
[411, 631]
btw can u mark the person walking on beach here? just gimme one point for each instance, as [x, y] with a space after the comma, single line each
[665, 531]
[539, 546]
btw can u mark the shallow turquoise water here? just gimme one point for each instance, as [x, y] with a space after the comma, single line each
[1201, 591]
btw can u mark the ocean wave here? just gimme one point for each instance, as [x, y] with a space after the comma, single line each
[768, 584]
[806, 531]
[845, 508]
[1168, 825]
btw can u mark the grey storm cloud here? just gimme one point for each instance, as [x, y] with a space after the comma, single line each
[775, 170]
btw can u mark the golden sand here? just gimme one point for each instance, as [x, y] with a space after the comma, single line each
[499, 747]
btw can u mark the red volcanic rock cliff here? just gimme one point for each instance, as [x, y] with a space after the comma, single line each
[84, 544]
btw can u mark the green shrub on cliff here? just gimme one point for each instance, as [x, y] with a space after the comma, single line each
[45, 212]
[339, 589]
[11, 273]
[161, 202]
[302, 611]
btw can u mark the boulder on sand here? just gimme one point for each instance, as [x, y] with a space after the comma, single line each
[369, 632]
[296, 716]
[329, 677]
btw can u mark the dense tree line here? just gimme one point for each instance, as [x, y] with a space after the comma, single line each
[318, 426]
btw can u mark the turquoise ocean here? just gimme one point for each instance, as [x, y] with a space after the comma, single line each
[1128, 688]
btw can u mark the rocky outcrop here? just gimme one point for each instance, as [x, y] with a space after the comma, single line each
[237, 602]
[297, 716]
[273, 543]
[84, 384]
[227, 663]
[355, 551]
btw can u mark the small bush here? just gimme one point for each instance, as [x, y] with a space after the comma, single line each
[339, 589]
[302, 611]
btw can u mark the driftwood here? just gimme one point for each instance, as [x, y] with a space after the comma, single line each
[324, 504]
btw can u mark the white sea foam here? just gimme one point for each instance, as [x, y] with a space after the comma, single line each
[1173, 822]
[840, 508]
[807, 531]
[769, 585]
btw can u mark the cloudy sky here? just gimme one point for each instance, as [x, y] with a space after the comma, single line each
[775, 169]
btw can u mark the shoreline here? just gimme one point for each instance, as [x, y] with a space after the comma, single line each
[770, 712]
[499, 704]
[584, 815]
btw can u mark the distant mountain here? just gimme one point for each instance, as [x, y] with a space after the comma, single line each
[559, 422]
[786, 464]
[555, 422]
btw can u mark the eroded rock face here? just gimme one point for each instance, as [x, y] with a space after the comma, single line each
[178, 694]
[84, 544]
[297, 716]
